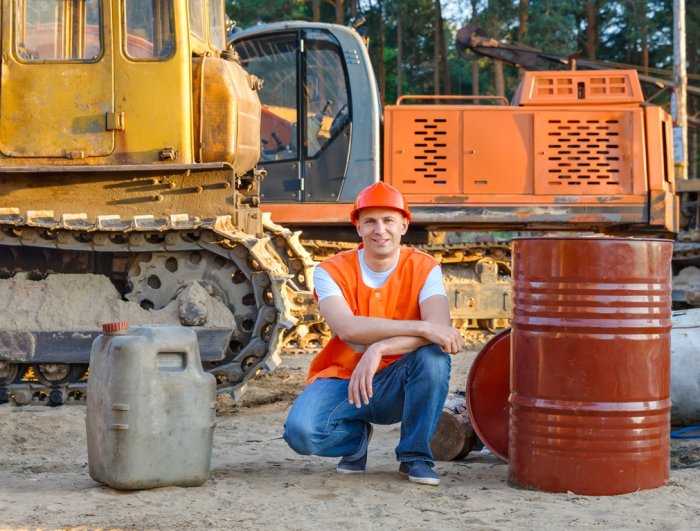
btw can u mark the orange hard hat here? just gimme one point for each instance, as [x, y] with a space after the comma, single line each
[380, 194]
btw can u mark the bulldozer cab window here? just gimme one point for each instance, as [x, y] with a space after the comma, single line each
[148, 29]
[58, 30]
[327, 109]
[202, 13]
[217, 26]
[197, 19]
[274, 59]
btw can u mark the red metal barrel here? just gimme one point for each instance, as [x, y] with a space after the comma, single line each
[488, 387]
[590, 368]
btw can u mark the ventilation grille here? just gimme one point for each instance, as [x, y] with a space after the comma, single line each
[601, 87]
[549, 86]
[429, 153]
[585, 155]
[609, 86]
[582, 87]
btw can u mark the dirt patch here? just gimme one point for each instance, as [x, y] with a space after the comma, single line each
[281, 386]
[685, 453]
[257, 482]
[84, 302]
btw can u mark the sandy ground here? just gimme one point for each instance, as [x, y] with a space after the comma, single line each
[257, 482]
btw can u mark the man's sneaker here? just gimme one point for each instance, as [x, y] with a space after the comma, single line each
[358, 465]
[419, 472]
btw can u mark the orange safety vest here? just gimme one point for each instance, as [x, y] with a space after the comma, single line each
[396, 299]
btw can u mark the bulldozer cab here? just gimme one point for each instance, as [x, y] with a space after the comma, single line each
[320, 111]
[99, 82]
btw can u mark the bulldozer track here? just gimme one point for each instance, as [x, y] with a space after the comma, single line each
[274, 304]
[686, 254]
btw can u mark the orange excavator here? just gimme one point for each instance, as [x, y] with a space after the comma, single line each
[573, 151]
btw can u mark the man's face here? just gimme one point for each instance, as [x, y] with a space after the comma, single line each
[381, 230]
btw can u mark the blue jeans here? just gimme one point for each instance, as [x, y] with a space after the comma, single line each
[412, 390]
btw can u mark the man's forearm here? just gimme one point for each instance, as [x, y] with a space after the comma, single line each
[399, 345]
[369, 330]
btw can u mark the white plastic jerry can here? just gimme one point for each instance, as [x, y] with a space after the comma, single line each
[151, 408]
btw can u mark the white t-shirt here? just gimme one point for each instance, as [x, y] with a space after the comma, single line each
[325, 286]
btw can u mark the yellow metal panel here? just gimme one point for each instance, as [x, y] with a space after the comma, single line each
[156, 99]
[55, 109]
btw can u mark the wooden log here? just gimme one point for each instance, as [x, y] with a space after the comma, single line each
[454, 436]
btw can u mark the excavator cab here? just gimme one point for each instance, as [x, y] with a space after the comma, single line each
[576, 151]
[320, 111]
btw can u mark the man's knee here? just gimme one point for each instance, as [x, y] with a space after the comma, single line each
[298, 434]
[432, 362]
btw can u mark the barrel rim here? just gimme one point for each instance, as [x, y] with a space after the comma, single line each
[593, 238]
[494, 350]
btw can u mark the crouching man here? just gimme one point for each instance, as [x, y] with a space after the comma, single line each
[388, 360]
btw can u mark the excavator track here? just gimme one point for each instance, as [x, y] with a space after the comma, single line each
[448, 253]
[240, 269]
[468, 269]
[686, 253]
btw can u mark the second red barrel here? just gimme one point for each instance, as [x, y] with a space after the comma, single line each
[590, 366]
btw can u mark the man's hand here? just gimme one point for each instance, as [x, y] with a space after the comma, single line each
[447, 338]
[360, 387]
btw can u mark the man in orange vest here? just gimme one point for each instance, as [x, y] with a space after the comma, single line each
[388, 360]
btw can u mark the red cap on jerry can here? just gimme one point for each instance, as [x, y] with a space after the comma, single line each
[110, 328]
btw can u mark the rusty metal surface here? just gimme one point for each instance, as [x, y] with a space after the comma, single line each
[158, 191]
[590, 376]
[73, 346]
[488, 387]
[28, 166]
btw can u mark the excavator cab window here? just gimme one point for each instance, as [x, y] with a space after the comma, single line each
[327, 104]
[274, 59]
[149, 29]
[305, 112]
[58, 31]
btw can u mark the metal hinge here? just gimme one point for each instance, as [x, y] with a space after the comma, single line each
[115, 121]
[169, 154]
[75, 154]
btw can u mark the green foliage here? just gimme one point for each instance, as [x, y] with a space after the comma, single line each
[621, 38]
[554, 26]
[250, 12]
